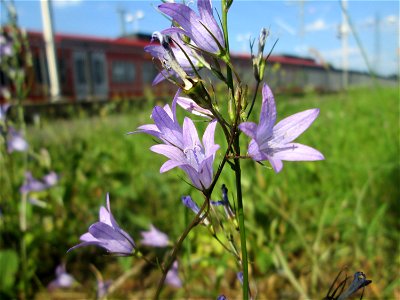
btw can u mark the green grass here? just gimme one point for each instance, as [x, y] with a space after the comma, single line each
[304, 224]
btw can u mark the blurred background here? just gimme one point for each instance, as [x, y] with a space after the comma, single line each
[77, 79]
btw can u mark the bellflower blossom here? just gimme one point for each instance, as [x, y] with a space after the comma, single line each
[189, 203]
[172, 278]
[34, 185]
[107, 234]
[201, 28]
[16, 141]
[181, 55]
[274, 142]
[166, 126]
[154, 238]
[192, 107]
[193, 157]
[63, 279]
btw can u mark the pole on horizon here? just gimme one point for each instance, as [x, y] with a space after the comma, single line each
[48, 35]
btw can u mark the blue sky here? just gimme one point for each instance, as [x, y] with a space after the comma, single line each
[315, 34]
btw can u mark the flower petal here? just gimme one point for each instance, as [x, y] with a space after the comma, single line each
[170, 164]
[291, 127]
[298, 152]
[208, 139]
[170, 131]
[268, 113]
[249, 128]
[276, 164]
[169, 151]
[206, 14]
[190, 135]
[190, 22]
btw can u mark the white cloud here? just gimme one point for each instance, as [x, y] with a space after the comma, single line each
[285, 26]
[317, 25]
[66, 3]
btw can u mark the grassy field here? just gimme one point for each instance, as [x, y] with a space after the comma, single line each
[304, 224]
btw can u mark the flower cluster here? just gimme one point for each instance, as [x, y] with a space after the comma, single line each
[194, 41]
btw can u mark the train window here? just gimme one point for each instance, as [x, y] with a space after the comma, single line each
[123, 72]
[98, 71]
[80, 70]
[149, 72]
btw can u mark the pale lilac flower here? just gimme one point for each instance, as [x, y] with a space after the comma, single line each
[102, 288]
[5, 47]
[174, 59]
[107, 234]
[274, 143]
[16, 141]
[192, 107]
[3, 111]
[222, 297]
[202, 28]
[154, 238]
[166, 126]
[63, 279]
[34, 185]
[172, 278]
[195, 158]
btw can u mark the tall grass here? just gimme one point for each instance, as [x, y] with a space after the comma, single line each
[305, 224]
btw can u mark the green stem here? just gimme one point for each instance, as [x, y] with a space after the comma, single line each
[229, 77]
[242, 230]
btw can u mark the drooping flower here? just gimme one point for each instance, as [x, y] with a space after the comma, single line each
[154, 238]
[32, 184]
[16, 141]
[5, 47]
[195, 158]
[274, 142]
[202, 28]
[173, 59]
[225, 203]
[63, 279]
[189, 203]
[107, 234]
[172, 278]
[192, 107]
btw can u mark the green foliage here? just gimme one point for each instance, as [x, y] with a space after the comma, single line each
[9, 267]
[320, 215]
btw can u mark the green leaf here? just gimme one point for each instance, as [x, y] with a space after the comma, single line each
[8, 268]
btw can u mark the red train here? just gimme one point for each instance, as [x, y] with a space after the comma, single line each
[93, 68]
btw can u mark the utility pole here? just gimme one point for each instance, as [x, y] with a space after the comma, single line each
[122, 19]
[344, 33]
[48, 35]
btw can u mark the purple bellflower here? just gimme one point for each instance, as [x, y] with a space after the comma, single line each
[189, 203]
[225, 203]
[5, 47]
[15, 141]
[34, 185]
[201, 28]
[192, 107]
[274, 143]
[3, 111]
[166, 126]
[107, 234]
[174, 59]
[182, 144]
[154, 238]
[63, 279]
[172, 278]
[193, 157]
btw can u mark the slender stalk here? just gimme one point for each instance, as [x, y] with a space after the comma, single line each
[194, 223]
[242, 230]
[229, 77]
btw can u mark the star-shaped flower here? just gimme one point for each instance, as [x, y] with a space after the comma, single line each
[202, 28]
[107, 234]
[274, 142]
